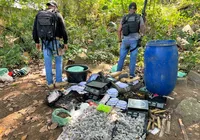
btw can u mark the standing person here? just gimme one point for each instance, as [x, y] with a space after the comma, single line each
[49, 26]
[132, 27]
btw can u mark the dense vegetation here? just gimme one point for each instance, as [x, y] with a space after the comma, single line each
[92, 25]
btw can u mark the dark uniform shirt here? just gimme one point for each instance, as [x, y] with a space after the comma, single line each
[60, 30]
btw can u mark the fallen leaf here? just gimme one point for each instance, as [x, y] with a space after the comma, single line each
[20, 133]
[31, 110]
[28, 118]
[10, 99]
[8, 131]
[9, 105]
[35, 102]
[43, 129]
[1, 86]
[5, 102]
[53, 126]
[24, 137]
[48, 113]
[41, 102]
[14, 106]
[35, 118]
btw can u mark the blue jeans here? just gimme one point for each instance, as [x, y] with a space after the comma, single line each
[126, 46]
[48, 53]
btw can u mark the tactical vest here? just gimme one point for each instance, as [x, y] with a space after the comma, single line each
[130, 24]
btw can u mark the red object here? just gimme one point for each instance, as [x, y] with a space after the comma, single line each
[92, 103]
[10, 73]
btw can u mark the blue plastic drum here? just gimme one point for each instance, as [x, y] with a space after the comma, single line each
[161, 66]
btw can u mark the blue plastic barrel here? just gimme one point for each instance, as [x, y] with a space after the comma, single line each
[160, 66]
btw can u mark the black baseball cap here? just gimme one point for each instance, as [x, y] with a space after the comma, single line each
[132, 5]
[52, 3]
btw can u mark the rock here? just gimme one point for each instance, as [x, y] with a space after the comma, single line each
[194, 76]
[188, 30]
[53, 126]
[11, 109]
[181, 41]
[189, 109]
[198, 31]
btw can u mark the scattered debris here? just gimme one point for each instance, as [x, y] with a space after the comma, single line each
[183, 129]
[162, 131]
[31, 110]
[53, 126]
[24, 137]
[11, 109]
[93, 124]
[168, 124]
[154, 131]
[43, 129]
[188, 30]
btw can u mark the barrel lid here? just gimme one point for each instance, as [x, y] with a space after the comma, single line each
[157, 43]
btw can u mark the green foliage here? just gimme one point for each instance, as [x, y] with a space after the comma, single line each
[11, 56]
[87, 23]
[101, 56]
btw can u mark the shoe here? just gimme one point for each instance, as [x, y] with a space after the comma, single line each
[131, 77]
[51, 86]
[60, 84]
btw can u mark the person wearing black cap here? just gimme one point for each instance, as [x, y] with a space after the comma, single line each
[49, 26]
[130, 31]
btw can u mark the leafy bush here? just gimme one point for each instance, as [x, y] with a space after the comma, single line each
[87, 23]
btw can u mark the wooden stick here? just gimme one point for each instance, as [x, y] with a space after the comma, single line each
[158, 121]
[168, 124]
[163, 127]
[115, 74]
[153, 116]
[154, 110]
[149, 124]
[183, 129]
[160, 111]
[152, 127]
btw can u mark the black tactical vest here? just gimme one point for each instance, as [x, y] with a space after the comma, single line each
[131, 24]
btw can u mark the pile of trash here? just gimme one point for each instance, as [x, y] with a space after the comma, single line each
[110, 106]
[92, 124]
[9, 76]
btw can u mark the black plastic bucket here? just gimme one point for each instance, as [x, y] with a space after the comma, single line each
[76, 77]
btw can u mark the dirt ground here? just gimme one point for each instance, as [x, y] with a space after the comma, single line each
[25, 116]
